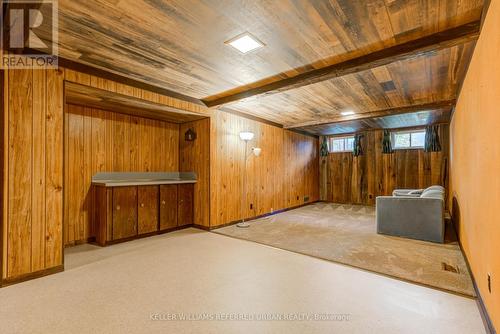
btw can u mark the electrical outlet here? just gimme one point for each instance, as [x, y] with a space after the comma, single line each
[489, 282]
[251, 206]
[297, 198]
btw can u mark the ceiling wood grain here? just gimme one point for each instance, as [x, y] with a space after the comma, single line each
[422, 46]
[441, 105]
[408, 120]
[178, 45]
[421, 80]
[102, 99]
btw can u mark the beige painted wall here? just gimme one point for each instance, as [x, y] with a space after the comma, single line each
[475, 162]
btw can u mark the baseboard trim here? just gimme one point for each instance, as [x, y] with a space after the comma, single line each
[488, 324]
[30, 276]
[261, 216]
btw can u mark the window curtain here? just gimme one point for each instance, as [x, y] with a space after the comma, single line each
[323, 151]
[357, 148]
[386, 142]
[432, 143]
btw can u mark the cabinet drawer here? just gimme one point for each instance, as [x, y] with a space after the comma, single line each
[147, 210]
[124, 212]
[168, 206]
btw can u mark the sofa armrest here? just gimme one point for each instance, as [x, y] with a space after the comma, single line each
[407, 192]
[418, 218]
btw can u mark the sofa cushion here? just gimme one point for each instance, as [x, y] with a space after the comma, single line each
[416, 192]
[433, 194]
[431, 188]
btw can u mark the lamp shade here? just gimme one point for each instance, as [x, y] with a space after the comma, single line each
[257, 151]
[246, 135]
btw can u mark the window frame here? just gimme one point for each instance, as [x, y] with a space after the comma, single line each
[393, 139]
[344, 138]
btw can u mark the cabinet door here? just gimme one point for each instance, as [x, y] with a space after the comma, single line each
[124, 212]
[147, 211]
[103, 210]
[168, 206]
[185, 215]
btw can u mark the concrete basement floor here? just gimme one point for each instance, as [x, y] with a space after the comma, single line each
[123, 288]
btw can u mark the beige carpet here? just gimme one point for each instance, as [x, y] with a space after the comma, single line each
[347, 234]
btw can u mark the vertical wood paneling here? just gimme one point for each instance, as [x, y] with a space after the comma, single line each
[4, 151]
[134, 144]
[359, 180]
[194, 156]
[286, 169]
[100, 140]
[38, 171]
[33, 158]
[20, 169]
[33, 171]
[54, 169]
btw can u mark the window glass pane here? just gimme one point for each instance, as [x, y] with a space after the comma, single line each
[349, 144]
[337, 145]
[401, 140]
[418, 139]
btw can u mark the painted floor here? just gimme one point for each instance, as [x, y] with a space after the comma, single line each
[193, 281]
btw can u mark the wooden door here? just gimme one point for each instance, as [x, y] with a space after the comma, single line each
[168, 206]
[124, 212]
[147, 211]
[185, 214]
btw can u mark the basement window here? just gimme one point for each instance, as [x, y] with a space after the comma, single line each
[403, 140]
[341, 144]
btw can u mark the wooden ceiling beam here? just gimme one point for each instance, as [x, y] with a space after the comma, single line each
[432, 43]
[379, 113]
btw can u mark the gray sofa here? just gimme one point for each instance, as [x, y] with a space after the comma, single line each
[413, 213]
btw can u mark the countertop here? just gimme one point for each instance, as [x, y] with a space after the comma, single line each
[130, 179]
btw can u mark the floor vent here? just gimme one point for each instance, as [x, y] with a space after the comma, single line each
[450, 268]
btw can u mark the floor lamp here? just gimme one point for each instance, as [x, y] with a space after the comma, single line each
[246, 136]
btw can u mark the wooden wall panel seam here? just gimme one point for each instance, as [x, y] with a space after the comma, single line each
[4, 152]
[352, 180]
[138, 138]
[290, 159]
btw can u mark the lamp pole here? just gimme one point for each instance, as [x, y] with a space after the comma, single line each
[243, 198]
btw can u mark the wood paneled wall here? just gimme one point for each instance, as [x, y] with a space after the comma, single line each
[32, 149]
[287, 169]
[38, 137]
[104, 141]
[194, 156]
[301, 173]
[359, 180]
[33, 171]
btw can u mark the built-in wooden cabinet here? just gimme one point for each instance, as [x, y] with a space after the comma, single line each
[124, 212]
[185, 207]
[168, 206]
[147, 209]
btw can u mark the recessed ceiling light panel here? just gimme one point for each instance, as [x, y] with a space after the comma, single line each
[347, 113]
[245, 43]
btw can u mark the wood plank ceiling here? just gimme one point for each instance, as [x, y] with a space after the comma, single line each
[179, 45]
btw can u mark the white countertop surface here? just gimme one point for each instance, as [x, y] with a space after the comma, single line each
[130, 179]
